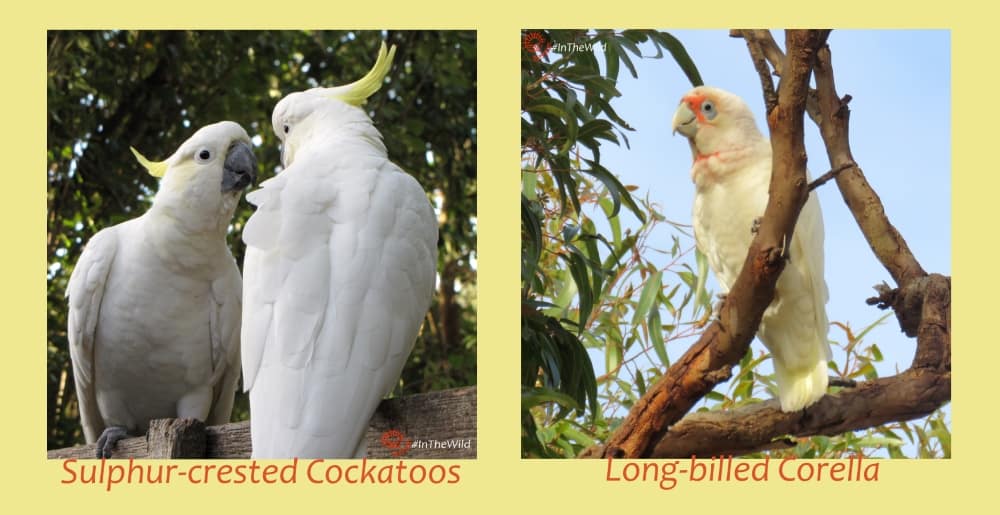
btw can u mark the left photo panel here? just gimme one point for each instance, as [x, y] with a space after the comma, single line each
[261, 244]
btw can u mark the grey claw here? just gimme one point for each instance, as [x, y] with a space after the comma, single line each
[109, 437]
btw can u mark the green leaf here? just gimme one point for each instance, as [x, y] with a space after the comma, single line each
[578, 268]
[656, 335]
[615, 188]
[648, 296]
[700, 296]
[715, 396]
[871, 326]
[539, 396]
[640, 383]
[611, 61]
[625, 58]
[677, 50]
[875, 441]
[529, 185]
[531, 242]
[612, 355]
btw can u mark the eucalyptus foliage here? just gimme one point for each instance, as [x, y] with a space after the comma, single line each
[571, 274]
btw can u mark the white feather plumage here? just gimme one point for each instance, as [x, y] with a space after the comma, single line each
[154, 302]
[339, 274]
[732, 173]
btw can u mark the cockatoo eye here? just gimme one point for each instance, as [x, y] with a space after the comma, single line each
[708, 109]
[285, 128]
[203, 156]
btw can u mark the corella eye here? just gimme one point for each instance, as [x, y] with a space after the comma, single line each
[285, 128]
[203, 156]
[708, 109]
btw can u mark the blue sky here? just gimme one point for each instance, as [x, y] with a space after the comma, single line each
[900, 135]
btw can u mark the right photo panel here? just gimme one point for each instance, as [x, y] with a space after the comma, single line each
[736, 243]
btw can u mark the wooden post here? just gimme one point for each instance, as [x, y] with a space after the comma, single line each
[176, 438]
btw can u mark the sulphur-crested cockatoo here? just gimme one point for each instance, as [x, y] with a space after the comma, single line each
[339, 274]
[154, 302]
[731, 173]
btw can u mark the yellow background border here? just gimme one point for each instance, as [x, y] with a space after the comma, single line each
[498, 480]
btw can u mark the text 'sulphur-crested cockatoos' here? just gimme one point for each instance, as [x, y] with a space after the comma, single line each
[339, 274]
[732, 173]
[154, 302]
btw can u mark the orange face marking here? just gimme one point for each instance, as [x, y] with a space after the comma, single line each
[694, 102]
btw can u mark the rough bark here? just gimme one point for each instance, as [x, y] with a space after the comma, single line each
[176, 438]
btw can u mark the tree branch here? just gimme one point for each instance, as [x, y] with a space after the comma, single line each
[915, 393]
[756, 49]
[710, 360]
[884, 240]
[771, 52]
[823, 179]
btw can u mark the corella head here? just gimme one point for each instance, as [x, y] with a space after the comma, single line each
[292, 116]
[714, 121]
[216, 156]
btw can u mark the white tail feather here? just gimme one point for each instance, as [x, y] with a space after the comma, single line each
[798, 389]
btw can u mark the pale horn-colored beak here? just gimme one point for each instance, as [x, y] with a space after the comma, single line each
[685, 121]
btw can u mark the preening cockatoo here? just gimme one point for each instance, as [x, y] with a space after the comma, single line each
[732, 173]
[339, 273]
[154, 302]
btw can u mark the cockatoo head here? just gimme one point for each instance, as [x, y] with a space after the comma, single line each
[218, 154]
[295, 117]
[714, 121]
[205, 177]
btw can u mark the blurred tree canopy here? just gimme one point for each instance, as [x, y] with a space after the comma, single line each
[108, 90]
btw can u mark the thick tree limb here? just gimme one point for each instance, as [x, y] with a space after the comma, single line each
[710, 360]
[915, 393]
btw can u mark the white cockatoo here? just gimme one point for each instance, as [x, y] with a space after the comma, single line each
[339, 274]
[154, 302]
[732, 173]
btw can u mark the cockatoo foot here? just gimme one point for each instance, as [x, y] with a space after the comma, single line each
[108, 439]
[755, 225]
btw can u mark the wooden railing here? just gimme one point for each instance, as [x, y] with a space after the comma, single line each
[432, 425]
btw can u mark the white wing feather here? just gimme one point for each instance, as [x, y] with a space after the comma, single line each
[794, 326]
[86, 291]
[227, 299]
[339, 274]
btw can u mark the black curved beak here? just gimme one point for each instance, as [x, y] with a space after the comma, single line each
[240, 168]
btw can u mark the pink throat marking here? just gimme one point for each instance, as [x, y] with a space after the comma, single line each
[702, 157]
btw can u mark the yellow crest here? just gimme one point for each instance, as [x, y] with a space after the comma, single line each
[357, 92]
[155, 168]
